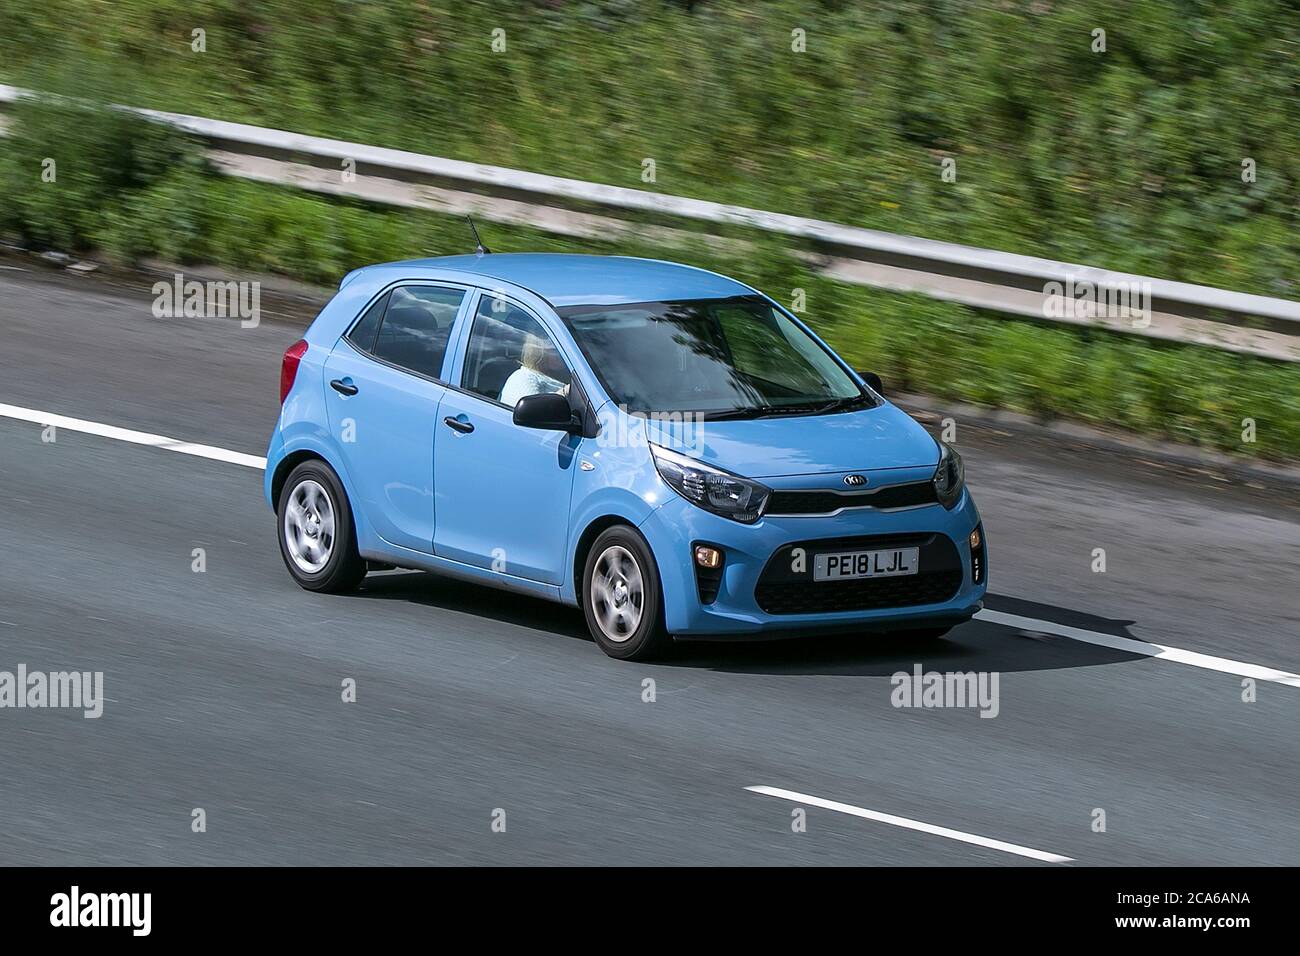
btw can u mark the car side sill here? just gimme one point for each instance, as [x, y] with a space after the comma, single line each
[416, 561]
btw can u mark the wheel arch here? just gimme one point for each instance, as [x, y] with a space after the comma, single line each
[286, 466]
[585, 540]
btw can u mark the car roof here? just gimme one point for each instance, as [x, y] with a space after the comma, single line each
[563, 280]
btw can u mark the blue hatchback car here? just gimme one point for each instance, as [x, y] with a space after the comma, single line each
[666, 448]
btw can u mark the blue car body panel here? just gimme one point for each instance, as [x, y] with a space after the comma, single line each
[523, 476]
[509, 506]
[870, 439]
[588, 280]
[672, 528]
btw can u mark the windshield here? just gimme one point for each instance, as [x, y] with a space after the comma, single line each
[724, 358]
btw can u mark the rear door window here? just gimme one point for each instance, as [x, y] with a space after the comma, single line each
[417, 326]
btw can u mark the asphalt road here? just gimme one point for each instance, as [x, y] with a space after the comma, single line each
[224, 687]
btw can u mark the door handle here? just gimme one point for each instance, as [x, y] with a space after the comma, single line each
[344, 388]
[463, 427]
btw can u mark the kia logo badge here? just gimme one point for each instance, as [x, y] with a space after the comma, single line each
[855, 481]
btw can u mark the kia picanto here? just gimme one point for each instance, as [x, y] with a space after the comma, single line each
[668, 449]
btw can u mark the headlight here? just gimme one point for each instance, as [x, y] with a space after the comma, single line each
[711, 488]
[949, 477]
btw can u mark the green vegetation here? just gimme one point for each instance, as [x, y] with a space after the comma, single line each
[1129, 159]
[70, 168]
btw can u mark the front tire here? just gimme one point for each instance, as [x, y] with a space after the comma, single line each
[621, 596]
[318, 540]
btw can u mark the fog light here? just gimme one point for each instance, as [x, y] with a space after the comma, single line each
[977, 556]
[707, 557]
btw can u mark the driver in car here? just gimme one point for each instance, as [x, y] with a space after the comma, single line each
[540, 370]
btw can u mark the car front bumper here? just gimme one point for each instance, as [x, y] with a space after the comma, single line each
[791, 601]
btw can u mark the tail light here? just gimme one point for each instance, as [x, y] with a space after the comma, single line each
[289, 367]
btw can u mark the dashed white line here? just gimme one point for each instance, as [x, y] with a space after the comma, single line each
[1162, 651]
[906, 824]
[134, 437]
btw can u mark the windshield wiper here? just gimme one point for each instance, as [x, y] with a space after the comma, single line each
[847, 404]
[812, 408]
[780, 411]
[735, 414]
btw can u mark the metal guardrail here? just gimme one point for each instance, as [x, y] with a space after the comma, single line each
[984, 278]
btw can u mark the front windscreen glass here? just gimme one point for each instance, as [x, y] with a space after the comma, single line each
[724, 358]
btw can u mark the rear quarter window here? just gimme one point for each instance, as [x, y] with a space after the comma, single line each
[363, 333]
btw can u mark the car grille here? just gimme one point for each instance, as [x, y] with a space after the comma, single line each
[825, 597]
[911, 494]
[781, 590]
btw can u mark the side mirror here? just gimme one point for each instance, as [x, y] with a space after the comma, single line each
[547, 410]
[872, 379]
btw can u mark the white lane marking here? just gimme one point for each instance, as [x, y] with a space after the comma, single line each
[912, 824]
[1221, 664]
[134, 437]
[1205, 661]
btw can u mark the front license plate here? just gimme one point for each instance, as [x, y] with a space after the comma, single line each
[865, 564]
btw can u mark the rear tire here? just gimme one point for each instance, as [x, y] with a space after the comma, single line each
[318, 540]
[621, 596]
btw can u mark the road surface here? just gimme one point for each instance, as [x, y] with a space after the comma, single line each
[223, 688]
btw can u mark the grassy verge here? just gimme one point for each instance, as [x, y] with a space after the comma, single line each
[122, 193]
[1124, 150]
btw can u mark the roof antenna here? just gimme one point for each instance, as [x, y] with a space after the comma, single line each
[479, 248]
